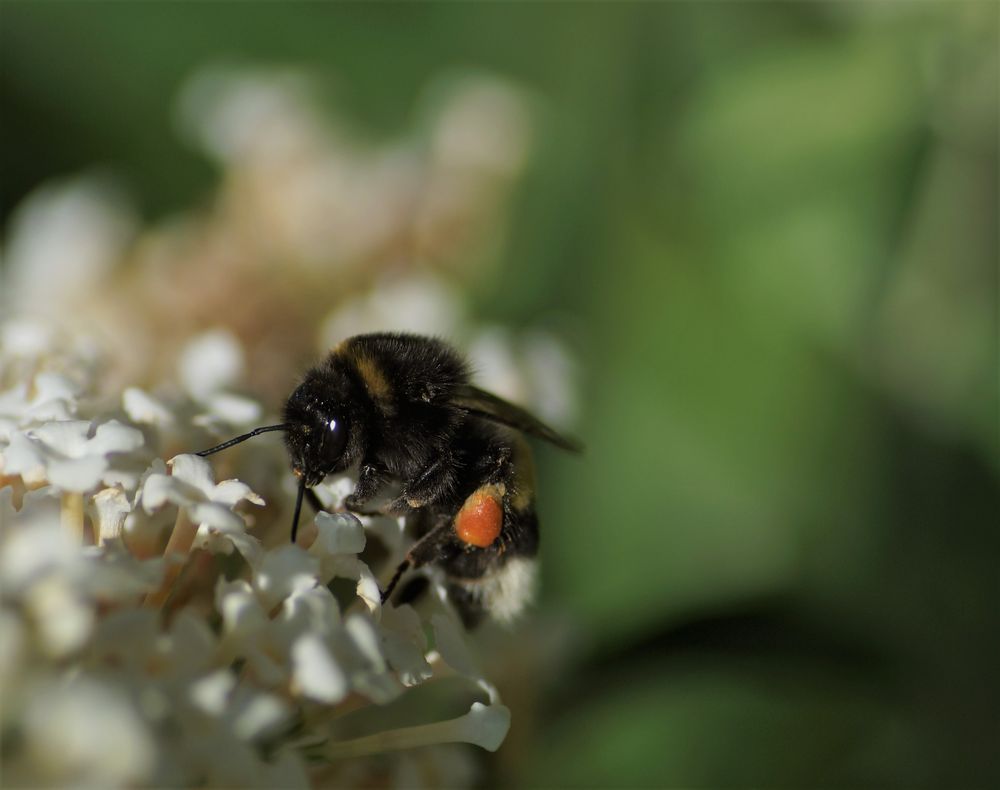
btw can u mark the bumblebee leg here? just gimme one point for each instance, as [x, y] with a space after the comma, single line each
[430, 548]
[400, 570]
[429, 486]
[370, 480]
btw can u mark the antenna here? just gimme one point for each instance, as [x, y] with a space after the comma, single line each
[283, 427]
[403, 566]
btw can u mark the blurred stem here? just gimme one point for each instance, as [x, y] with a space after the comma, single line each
[180, 542]
[71, 515]
[393, 740]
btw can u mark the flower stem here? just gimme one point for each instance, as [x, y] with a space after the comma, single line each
[180, 542]
[484, 725]
[71, 515]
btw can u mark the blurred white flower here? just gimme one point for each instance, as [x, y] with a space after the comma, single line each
[315, 672]
[88, 733]
[65, 238]
[144, 409]
[553, 377]
[223, 409]
[533, 369]
[483, 125]
[237, 113]
[49, 397]
[62, 618]
[25, 338]
[422, 303]
[211, 362]
[111, 574]
[65, 454]
[31, 539]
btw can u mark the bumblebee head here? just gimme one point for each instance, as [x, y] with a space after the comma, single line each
[323, 424]
[323, 429]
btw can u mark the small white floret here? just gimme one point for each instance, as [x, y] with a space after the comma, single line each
[211, 362]
[315, 672]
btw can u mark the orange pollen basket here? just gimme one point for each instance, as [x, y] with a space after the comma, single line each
[479, 521]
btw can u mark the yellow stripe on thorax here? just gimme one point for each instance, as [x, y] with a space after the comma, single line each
[370, 371]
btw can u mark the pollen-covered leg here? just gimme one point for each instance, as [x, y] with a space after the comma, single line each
[480, 520]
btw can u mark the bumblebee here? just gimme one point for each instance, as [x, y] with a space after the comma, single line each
[402, 409]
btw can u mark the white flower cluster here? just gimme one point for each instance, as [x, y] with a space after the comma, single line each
[148, 637]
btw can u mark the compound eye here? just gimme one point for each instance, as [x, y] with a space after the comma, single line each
[334, 439]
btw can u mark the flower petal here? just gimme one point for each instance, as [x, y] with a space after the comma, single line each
[111, 573]
[257, 715]
[242, 615]
[192, 644]
[34, 544]
[195, 471]
[403, 644]
[114, 437]
[313, 609]
[450, 644]
[232, 492]
[223, 540]
[365, 640]
[65, 437]
[143, 408]
[230, 408]
[389, 530]
[108, 509]
[282, 572]
[158, 489]
[210, 694]
[215, 515]
[77, 474]
[315, 672]
[347, 566]
[24, 456]
[339, 533]
[63, 619]
[485, 726]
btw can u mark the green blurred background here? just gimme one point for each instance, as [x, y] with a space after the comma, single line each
[776, 228]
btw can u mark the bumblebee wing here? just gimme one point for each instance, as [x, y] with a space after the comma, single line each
[473, 400]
